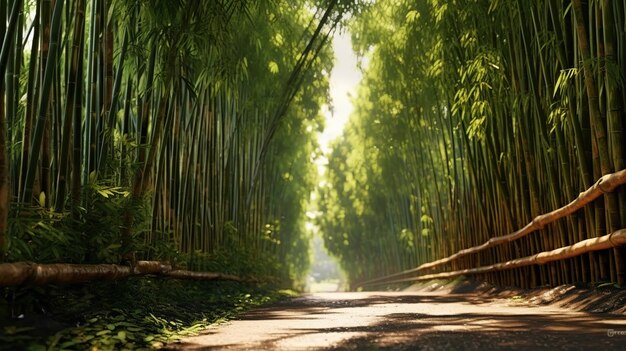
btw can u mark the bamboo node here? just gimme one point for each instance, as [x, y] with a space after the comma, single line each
[601, 187]
[537, 223]
[613, 243]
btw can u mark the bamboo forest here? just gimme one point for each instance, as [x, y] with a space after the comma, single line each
[163, 154]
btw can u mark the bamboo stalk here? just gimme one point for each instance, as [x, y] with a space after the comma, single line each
[74, 52]
[21, 273]
[46, 86]
[5, 182]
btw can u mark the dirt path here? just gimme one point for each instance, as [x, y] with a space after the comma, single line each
[412, 321]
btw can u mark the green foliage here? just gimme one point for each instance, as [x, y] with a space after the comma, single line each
[236, 256]
[136, 314]
[89, 235]
[99, 223]
[36, 234]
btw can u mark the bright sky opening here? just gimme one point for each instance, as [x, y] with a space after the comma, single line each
[344, 79]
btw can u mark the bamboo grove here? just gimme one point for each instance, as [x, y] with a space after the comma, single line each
[173, 130]
[474, 117]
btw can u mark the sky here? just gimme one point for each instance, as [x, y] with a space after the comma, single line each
[344, 79]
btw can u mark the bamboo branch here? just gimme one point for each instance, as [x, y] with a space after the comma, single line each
[21, 273]
[605, 184]
[608, 241]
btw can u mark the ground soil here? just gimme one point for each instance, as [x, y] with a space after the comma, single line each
[464, 316]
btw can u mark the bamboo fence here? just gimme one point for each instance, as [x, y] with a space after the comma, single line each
[608, 241]
[22, 273]
[604, 185]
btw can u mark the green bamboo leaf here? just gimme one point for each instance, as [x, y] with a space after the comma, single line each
[412, 16]
[42, 199]
[273, 67]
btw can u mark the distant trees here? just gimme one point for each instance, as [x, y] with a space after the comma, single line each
[475, 116]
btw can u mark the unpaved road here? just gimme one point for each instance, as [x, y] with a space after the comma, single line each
[412, 321]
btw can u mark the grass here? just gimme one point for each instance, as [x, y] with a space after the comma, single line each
[134, 314]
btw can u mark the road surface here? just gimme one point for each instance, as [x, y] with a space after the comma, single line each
[412, 321]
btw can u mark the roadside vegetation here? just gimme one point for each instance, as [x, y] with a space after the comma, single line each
[133, 314]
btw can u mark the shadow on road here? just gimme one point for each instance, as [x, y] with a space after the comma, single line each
[404, 321]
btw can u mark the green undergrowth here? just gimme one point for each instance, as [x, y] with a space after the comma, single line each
[134, 314]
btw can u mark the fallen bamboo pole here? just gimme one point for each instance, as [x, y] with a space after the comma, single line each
[605, 184]
[608, 241]
[21, 273]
